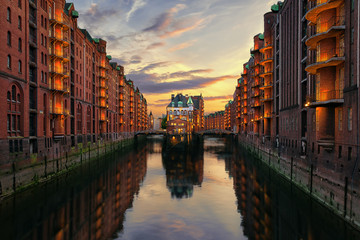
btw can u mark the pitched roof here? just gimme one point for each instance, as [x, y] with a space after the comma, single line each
[179, 98]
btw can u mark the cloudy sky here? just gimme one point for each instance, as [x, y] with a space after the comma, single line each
[173, 46]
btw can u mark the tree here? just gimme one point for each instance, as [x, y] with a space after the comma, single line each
[164, 123]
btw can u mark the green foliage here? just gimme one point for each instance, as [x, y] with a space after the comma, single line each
[164, 123]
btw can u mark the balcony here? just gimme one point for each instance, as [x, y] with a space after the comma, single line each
[57, 110]
[59, 37]
[266, 98]
[103, 95]
[268, 115]
[256, 105]
[59, 55]
[58, 20]
[256, 84]
[254, 50]
[321, 5]
[266, 48]
[268, 59]
[326, 29]
[58, 71]
[266, 84]
[328, 58]
[267, 72]
[59, 87]
[331, 97]
[103, 85]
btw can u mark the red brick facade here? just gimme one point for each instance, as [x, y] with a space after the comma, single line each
[60, 87]
[305, 106]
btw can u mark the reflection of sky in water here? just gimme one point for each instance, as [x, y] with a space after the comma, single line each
[210, 213]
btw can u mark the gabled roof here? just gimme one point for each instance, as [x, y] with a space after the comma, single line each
[179, 98]
[67, 8]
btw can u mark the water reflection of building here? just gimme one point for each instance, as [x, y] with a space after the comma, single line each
[272, 208]
[88, 205]
[184, 167]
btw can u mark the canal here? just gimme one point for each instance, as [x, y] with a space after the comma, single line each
[207, 189]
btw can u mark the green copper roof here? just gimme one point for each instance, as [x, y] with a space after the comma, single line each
[252, 55]
[67, 8]
[261, 36]
[275, 8]
[118, 68]
[96, 40]
[247, 66]
[109, 57]
[75, 14]
[190, 101]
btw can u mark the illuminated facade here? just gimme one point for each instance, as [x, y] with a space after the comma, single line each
[60, 86]
[215, 121]
[185, 114]
[308, 105]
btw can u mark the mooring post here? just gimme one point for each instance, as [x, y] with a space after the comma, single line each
[345, 195]
[291, 169]
[311, 178]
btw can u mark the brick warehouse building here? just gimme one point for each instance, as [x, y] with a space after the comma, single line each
[185, 114]
[309, 96]
[60, 87]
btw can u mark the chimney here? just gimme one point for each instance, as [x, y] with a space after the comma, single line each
[172, 96]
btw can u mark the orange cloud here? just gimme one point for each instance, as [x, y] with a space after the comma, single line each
[182, 45]
[218, 79]
[180, 31]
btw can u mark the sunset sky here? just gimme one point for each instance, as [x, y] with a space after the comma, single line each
[177, 46]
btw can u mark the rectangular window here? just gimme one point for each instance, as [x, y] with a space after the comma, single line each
[352, 82]
[352, 5]
[13, 122]
[340, 151]
[11, 149]
[350, 119]
[317, 120]
[349, 153]
[8, 122]
[340, 119]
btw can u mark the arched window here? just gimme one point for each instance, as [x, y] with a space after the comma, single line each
[19, 3]
[45, 114]
[79, 119]
[182, 112]
[9, 61]
[8, 16]
[19, 45]
[19, 22]
[13, 93]
[14, 111]
[170, 112]
[19, 66]
[9, 38]
[88, 119]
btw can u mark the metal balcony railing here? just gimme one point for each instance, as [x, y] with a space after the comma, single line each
[324, 96]
[323, 25]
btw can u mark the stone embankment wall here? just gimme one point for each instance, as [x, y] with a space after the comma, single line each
[339, 197]
[22, 176]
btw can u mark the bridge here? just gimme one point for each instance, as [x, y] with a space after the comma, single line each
[151, 132]
[204, 132]
[215, 132]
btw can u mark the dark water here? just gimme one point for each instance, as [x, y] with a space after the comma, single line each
[208, 189]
